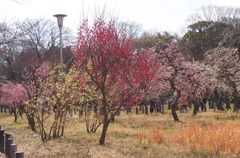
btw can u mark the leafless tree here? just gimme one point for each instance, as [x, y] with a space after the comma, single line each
[42, 38]
[215, 13]
[132, 29]
[37, 41]
[9, 32]
[232, 39]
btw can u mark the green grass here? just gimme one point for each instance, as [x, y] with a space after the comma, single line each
[121, 140]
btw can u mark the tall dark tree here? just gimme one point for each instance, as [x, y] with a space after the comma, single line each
[149, 40]
[207, 29]
[203, 36]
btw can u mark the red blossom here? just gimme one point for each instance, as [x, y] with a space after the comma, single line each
[106, 56]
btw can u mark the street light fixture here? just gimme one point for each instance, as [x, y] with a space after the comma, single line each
[60, 24]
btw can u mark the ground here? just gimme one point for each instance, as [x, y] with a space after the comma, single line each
[126, 138]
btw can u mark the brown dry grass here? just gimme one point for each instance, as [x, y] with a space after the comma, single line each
[122, 139]
[154, 136]
[210, 136]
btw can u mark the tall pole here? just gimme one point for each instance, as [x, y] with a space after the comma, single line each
[61, 54]
[60, 24]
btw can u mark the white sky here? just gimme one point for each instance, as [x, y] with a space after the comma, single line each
[161, 15]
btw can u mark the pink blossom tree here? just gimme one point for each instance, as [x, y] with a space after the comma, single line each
[179, 77]
[225, 64]
[13, 95]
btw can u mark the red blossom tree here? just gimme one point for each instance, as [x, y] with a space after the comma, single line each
[105, 58]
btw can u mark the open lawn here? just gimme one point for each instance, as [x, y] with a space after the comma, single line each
[209, 134]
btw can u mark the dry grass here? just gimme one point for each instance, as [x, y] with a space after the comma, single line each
[210, 136]
[155, 136]
[123, 137]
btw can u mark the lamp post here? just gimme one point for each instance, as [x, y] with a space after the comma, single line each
[60, 24]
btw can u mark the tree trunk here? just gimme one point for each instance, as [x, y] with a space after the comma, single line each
[195, 108]
[105, 118]
[31, 121]
[210, 103]
[220, 104]
[146, 109]
[215, 99]
[162, 108]
[174, 114]
[234, 94]
[63, 125]
[113, 119]
[228, 103]
[15, 113]
[175, 102]
[235, 99]
[104, 132]
[236, 106]
[169, 106]
[31, 117]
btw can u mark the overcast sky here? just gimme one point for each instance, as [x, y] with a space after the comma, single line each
[161, 15]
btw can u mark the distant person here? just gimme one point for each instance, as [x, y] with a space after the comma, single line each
[184, 104]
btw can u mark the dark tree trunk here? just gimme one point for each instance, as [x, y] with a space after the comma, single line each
[169, 106]
[31, 121]
[220, 104]
[152, 106]
[203, 106]
[174, 114]
[236, 103]
[190, 105]
[113, 119]
[105, 118]
[210, 103]
[174, 107]
[162, 108]
[235, 99]
[104, 132]
[146, 109]
[204, 101]
[136, 110]
[15, 114]
[234, 94]
[215, 100]
[143, 109]
[195, 108]
[175, 101]
[228, 103]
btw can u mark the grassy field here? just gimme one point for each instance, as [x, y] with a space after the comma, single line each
[209, 134]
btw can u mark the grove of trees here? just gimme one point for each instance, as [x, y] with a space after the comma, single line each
[109, 67]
